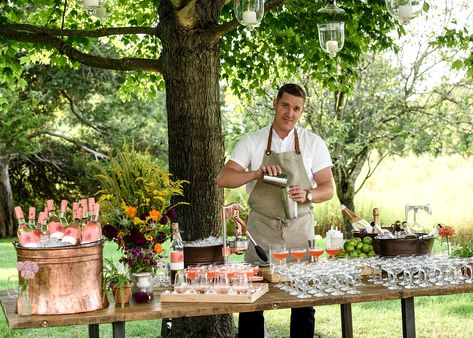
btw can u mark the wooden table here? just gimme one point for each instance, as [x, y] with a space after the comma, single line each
[273, 300]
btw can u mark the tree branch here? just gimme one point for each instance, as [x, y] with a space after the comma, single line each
[229, 26]
[123, 64]
[75, 112]
[95, 33]
[98, 155]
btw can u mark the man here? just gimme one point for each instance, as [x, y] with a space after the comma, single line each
[303, 156]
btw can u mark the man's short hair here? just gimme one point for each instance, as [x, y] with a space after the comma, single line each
[292, 89]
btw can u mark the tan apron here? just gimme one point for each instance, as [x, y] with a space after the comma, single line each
[266, 221]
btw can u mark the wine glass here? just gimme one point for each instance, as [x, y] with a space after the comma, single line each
[221, 283]
[298, 253]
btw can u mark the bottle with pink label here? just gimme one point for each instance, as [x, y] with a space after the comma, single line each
[26, 235]
[177, 252]
[55, 228]
[92, 231]
[72, 229]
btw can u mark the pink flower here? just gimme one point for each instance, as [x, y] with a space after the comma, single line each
[27, 269]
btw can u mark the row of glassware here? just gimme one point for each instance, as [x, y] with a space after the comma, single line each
[339, 277]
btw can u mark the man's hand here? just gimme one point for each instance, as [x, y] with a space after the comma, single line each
[297, 193]
[271, 170]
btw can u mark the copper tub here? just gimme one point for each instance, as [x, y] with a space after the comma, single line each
[69, 279]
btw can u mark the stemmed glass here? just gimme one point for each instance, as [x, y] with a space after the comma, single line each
[298, 253]
[332, 252]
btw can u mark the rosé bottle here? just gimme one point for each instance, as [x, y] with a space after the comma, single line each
[72, 231]
[92, 231]
[55, 228]
[26, 235]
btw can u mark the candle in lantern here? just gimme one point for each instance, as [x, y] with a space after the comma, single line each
[332, 46]
[91, 3]
[101, 12]
[249, 18]
[405, 12]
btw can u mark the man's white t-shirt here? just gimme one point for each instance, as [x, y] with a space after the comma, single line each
[250, 150]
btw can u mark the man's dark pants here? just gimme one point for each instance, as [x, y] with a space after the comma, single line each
[251, 324]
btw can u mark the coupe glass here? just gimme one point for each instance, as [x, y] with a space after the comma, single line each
[298, 253]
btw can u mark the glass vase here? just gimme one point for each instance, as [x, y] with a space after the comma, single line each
[143, 287]
[23, 304]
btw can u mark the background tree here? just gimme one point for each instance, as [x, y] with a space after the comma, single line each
[184, 46]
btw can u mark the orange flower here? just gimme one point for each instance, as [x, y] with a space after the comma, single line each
[154, 215]
[446, 231]
[130, 211]
[158, 248]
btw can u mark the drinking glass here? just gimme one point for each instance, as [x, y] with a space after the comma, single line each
[298, 253]
[332, 252]
[180, 283]
[221, 283]
[201, 284]
[279, 253]
[241, 284]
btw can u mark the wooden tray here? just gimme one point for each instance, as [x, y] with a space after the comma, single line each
[216, 298]
[270, 277]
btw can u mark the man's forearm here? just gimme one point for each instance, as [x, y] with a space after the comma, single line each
[322, 193]
[231, 178]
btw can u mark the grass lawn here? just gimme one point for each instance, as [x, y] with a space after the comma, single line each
[441, 316]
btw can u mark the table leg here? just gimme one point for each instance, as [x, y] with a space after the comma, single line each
[408, 318]
[347, 325]
[118, 329]
[94, 331]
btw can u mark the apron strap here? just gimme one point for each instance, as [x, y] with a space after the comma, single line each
[297, 148]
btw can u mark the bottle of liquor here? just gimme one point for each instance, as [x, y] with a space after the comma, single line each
[55, 228]
[62, 213]
[72, 231]
[177, 251]
[432, 232]
[356, 222]
[377, 225]
[85, 211]
[92, 231]
[42, 223]
[26, 236]
[407, 228]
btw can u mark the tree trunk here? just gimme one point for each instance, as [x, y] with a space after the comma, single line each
[196, 150]
[6, 201]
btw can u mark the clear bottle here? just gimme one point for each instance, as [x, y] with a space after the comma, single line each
[85, 211]
[55, 228]
[42, 223]
[62, 213]
[26, 235]
[72, 231]
[356, 221]
[177, 251]
[92, 231]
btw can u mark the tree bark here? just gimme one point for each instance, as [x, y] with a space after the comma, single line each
[196, 150]
[7, 228]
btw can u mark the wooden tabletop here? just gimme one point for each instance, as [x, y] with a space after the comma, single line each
[274, 299]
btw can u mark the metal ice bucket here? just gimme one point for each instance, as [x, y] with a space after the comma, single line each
[69, 279]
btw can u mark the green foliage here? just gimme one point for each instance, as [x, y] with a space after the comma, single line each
[464, 248]
[134, 179]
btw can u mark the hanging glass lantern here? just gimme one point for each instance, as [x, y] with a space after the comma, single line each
[331, 37]
[331, 34]
[249, 12]
[404, 10]
[102, 9]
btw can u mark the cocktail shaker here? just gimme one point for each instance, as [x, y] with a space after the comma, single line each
[288, 204]
[278, 180]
